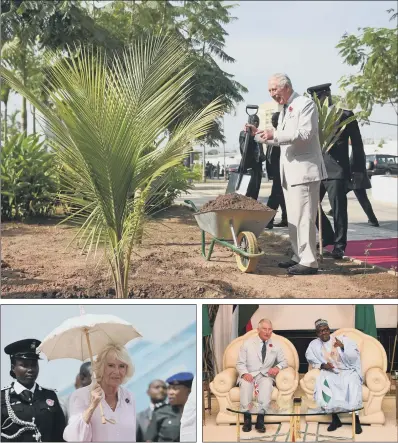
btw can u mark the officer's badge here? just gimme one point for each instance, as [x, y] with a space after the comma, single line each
[33, 345]
[50, 402]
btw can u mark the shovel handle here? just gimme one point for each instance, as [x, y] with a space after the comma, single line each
[103, 419]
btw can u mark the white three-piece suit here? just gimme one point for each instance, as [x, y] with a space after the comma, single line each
[250, 362]
[302, 169]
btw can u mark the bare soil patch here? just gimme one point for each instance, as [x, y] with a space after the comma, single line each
[36, 263]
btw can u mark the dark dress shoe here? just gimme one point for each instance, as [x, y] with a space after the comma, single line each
[358, 427]
[338, 253]
[336, 423]
[281, 224]
[260, 427]
[374, 223]
[287, 264]
[301, 270]
[247, 424]
[270, 225]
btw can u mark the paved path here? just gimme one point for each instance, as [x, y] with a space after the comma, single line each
[358, 228]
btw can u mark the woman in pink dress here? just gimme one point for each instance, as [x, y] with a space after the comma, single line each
[113, 367]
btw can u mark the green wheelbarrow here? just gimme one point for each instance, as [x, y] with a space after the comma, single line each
[236, 229]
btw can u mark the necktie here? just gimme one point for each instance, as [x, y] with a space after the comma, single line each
[26, 396]
[284, 111]
[264, 350]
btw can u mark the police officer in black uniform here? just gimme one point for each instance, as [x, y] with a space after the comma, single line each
[28, 411]
[165, 422]
[254, 159]
[339, 171]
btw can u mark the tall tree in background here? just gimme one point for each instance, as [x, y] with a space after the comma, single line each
[374, 52]
[200, 27]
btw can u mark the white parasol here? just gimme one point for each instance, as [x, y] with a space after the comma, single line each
[84, 336]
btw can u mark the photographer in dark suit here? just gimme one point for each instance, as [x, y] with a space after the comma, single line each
[339, 172]
[276, 198]
[254, 159]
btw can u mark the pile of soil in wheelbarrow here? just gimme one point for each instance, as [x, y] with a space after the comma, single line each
[234, 201]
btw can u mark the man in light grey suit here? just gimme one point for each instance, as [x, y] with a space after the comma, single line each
[302, 169]
[259, 362]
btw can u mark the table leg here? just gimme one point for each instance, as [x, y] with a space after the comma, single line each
[291, 429]
[353, 426]
[237, 428]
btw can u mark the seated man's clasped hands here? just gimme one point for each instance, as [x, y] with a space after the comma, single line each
[259, 362]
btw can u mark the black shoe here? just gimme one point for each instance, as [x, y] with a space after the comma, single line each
[374, 223]
[336, 423]
[270, 225]
[287, 264]
[281, 224]
[260, 427]
[301, 270]
[338, 253]
[247, 424]
[358, 427]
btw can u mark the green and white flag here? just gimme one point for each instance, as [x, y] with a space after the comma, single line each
[326, 392]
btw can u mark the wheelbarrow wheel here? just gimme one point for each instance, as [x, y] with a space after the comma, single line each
[247, 241]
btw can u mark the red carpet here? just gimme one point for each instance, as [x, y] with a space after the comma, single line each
[382, 252]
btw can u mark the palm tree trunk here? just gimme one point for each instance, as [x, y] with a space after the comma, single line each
[5, 120]
[24, 115]
[34, 119]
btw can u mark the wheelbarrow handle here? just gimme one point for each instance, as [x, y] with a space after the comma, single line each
[190, 202]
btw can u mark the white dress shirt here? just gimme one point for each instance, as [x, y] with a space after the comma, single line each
[18, 388]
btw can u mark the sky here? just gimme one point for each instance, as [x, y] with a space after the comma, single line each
[298, 38]
[156, 324]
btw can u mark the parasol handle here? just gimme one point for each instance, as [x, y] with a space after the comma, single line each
[103, 419]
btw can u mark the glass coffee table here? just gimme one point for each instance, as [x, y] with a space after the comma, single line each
[295, 409]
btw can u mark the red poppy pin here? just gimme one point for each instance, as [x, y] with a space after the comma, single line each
[50, 402]
[270, 345]
[290, 109]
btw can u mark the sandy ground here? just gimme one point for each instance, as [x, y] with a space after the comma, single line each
[37, 263]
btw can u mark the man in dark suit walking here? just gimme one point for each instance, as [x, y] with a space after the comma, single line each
[276, 198]
[339, 172]
[254, 159]
[157, 392]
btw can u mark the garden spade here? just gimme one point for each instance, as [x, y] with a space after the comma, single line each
[239, 181]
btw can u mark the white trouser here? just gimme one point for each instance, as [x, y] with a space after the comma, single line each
[302, 205]
[265, 386]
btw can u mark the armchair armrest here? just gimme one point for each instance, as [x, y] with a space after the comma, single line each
[377, 381]
[225, 381]
[309, 379]
[285, 379]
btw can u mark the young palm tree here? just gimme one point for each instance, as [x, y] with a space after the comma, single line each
[107, 115]
[330, 128]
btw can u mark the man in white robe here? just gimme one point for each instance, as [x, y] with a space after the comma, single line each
[339, 385]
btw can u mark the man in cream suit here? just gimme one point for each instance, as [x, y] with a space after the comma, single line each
[302, 169]
[259, 362]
